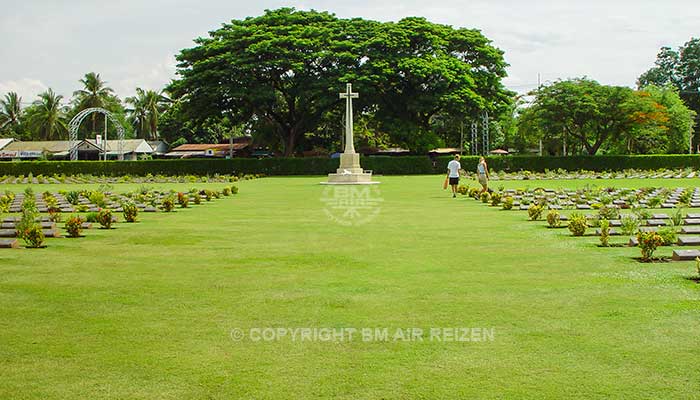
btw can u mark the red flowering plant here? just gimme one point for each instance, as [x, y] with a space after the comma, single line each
[74, 226]
[648, 242]
[104, 217]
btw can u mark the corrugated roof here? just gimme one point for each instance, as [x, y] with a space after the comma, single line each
[209, 146]
[59, 146]
[445, 150]
[5, 141]
[128, 146]
[52, 146]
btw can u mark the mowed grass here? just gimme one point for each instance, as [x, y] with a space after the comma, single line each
[145, 311]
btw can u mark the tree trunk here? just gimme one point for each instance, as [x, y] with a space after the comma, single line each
[154, 129]
[290, 142]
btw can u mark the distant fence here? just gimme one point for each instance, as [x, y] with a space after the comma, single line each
[386, 165]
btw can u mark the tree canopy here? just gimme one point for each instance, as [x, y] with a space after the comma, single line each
[281, 72]
[681, 69]
[587, 116]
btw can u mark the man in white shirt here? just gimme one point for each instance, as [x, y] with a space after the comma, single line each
[453, 168]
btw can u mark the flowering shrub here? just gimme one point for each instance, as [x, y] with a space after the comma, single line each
[74, 226]
[485, 197]
[130, 211]
[495, 199]
[654, 202]
[227, 191]
[104, 217]
[27, 224]
[508, 203]
[183, 199]
[168, 204]
[609, 212]
[54, 215]
[685, 197]
[648, 242]
[33, 236]
[629, 224]
[234, 189]
[97, 198]
[5, 202]
[73, 197]
[553, 218]
[668, 235]
[534, 212]
[577, 224]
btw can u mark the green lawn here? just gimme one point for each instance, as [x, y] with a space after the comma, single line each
[146, 310]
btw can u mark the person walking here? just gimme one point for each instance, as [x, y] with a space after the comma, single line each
[453, 168]
[482, 172]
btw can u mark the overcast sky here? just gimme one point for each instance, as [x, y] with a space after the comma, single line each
[132, 43]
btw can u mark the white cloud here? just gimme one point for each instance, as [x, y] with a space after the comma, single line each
[132, 43]
[154, 77]
[26, 88]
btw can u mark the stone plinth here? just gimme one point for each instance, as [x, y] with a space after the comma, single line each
[350, 163]
[364, 178]
[350, 172]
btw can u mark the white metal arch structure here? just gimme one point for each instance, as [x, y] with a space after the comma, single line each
[75, 124]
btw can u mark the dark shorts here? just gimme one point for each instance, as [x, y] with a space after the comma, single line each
[454, 181]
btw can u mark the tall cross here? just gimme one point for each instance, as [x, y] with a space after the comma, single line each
[348, 96]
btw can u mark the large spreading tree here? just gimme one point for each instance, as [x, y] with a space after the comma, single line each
[582, 116]
[579, 111]
[681, 69]
[281, 73]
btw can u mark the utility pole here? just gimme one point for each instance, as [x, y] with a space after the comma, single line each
[564, 140]
[690, 141]
[485, 133]
[104, 145]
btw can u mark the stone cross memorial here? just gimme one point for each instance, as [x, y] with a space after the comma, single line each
[350, 172]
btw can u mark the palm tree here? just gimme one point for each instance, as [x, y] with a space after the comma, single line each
[95, 93]
[10, 111]
[47, 117]
[147, 106]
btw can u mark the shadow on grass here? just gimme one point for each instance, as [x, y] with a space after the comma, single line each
[653, 260]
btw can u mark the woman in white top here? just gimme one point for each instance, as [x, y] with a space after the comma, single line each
[482, 171]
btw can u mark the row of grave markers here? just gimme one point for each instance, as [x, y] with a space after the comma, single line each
[8, 225]
[90, 179]
[690, 224]
[558, 200]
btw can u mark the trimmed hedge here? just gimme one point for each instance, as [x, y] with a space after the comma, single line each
[385, 165]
